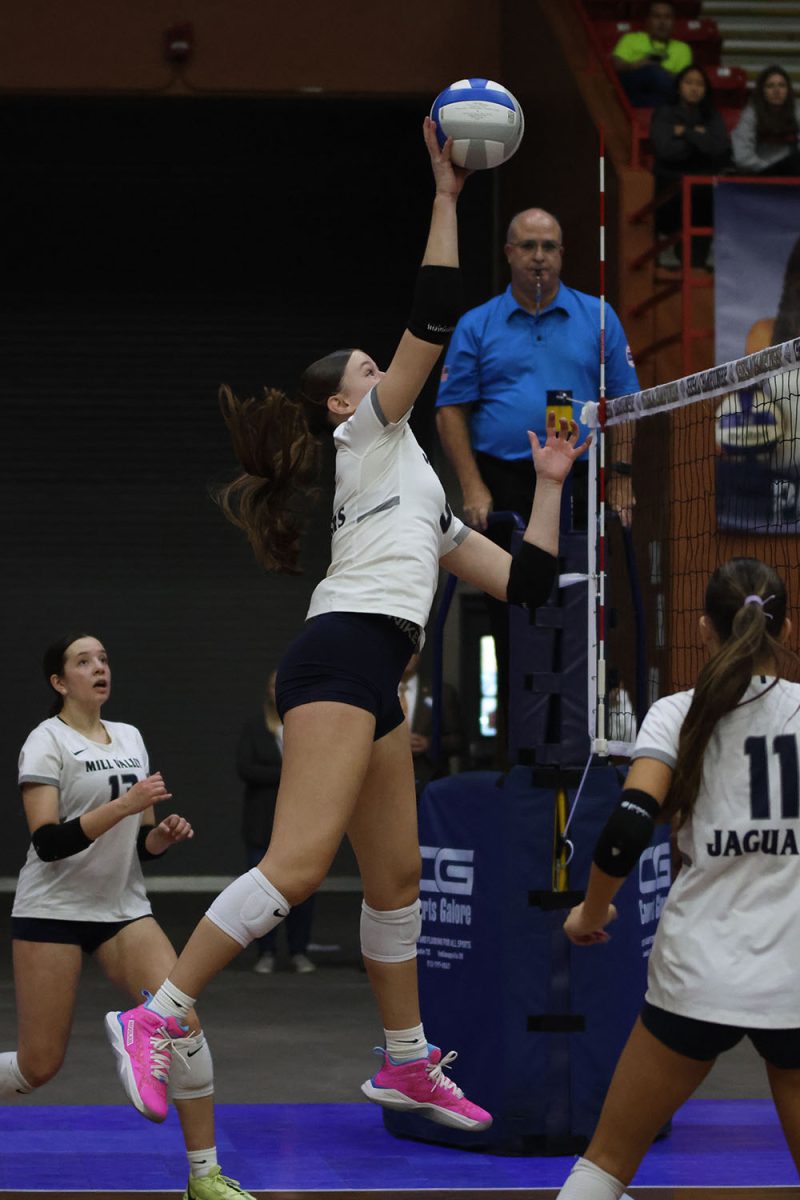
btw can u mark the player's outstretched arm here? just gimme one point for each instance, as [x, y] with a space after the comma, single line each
[437, 298]
[526, 577]
[626, 835]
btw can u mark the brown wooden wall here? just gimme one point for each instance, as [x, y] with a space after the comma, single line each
[339, 46]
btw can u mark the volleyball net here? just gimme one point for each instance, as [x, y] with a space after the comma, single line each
[716, 474]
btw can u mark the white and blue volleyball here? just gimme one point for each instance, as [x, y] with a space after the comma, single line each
[483, 119]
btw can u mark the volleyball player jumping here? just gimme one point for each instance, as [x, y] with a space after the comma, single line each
[347, 766]
[723, 761]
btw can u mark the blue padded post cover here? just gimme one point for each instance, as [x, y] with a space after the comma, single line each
[538, 1024]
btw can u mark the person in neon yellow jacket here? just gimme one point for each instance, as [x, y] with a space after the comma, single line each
[647, 60]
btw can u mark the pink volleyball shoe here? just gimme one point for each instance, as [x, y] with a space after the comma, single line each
[142, 1041]
[421, 1086]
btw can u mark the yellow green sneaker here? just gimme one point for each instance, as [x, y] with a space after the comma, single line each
[215, 1186]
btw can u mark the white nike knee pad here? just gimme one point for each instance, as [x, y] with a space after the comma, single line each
[390, 937]
[588, 1182]
[248, 908]
[192, 1073]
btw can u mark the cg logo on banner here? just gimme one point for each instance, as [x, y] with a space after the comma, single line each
[453, 873]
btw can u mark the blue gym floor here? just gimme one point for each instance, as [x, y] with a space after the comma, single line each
[714, 1143]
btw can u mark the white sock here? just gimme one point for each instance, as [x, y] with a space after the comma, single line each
[201, 1161]
[12, 1081]
[588, 1182]
[404, 1045]
[170, 1001]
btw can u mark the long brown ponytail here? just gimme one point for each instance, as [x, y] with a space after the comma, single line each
[748, 633]
[276, 440]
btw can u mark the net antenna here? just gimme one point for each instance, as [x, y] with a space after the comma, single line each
[598, 728]
[594, 415]
[601, 743]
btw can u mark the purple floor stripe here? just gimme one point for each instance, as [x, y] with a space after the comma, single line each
[329, 1146]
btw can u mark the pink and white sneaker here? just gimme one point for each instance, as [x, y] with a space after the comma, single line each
[421, 1086]
[143, 1043]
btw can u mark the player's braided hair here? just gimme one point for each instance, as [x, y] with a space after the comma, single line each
[748, 633]
[276, 440]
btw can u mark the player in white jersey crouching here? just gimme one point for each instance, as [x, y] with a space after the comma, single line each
[722, 761]
[89, 795]
[347, 764]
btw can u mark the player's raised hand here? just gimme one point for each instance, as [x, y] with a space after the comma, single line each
[554, 459]
[448, 177]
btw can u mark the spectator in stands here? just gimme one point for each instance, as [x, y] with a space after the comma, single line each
[689, 137]
[416, 700]
[765, 141]
[647, 60]
[259, 758]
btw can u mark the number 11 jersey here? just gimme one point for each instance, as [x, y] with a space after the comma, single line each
[727, 948]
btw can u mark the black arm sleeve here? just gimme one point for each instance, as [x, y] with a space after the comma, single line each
[52, 842]
[532, 575]
[627, 833]
[142, 851]
[437, 304]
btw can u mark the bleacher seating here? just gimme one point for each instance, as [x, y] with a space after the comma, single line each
[702, 35]
[607, 20]
[728, 85]
[636, 10]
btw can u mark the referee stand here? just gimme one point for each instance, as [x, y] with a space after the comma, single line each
[538, 1024]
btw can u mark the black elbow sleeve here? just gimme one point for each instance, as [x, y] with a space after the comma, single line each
[532, 575]
[627, 833]
[437, 304]
[52, 842]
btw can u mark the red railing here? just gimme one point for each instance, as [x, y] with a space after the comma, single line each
[690, 281]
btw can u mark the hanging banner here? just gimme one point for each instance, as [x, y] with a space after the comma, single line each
[757, 294]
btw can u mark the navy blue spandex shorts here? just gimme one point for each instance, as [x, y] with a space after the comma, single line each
[353, 658]
[704, 1040]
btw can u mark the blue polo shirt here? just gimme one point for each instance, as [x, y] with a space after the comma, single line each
[504, 360]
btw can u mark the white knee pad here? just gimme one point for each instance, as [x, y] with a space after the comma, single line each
[192, 1073]
[390, 936]
[248, 908]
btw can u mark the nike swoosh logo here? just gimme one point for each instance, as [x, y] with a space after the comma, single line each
[190, 1054]
[76, 752]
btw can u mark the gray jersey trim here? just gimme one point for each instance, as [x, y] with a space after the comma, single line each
[669, 760]
[463, 532]
[39, 779]
[376, 407]
[393, 503]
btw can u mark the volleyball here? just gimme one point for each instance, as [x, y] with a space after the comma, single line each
[483, 119]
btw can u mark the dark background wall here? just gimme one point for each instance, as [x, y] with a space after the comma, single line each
[154, 246]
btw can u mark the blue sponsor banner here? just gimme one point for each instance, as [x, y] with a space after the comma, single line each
[756, 228]
[757, 257]
[538, 1024]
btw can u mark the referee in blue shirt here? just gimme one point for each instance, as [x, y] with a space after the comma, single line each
[506, 361]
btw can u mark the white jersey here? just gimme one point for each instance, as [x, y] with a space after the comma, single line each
[727, 948]
[391, 521]
[103, 882]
